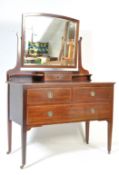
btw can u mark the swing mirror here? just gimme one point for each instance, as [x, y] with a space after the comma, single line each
[49, 42]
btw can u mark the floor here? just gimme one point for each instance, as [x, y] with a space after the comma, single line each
[61, 149]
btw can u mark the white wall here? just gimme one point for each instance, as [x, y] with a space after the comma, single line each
[99, 27]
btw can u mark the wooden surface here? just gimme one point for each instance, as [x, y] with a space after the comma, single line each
[68, 102]
[64, 104]
[38, 104]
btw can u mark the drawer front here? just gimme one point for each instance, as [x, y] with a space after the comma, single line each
[55, 76]
[92, 94]
[48, 96]
[67, 113]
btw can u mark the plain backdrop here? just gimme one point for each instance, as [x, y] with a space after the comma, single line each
[61, 149]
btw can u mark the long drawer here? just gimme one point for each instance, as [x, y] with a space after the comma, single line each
[92, 94]
[67, 113]
[45, 96]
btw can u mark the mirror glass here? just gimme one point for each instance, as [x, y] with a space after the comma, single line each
[49, 41]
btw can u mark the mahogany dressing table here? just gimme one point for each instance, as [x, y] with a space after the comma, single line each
[49, 84]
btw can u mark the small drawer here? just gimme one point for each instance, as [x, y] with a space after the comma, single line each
[48, 96]
[55, 76]
[66, 113]
[92, 94]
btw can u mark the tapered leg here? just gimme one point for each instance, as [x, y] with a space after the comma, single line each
[23, 139]
[9, 136]
[9, 122]
[87, 131]
[109, 136]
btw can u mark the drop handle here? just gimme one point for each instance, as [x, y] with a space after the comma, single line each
[92, 110]
[93, 93]
[50, 94]
[60, 77]
[50, 114]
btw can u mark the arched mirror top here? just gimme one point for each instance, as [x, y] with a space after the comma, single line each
[49, 42]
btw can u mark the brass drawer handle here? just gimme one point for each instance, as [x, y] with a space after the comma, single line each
[50, 94]
[50, 114]
[60, 77]
[92, 93]
[93, 110]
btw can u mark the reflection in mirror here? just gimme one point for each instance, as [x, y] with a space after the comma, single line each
[49, 41]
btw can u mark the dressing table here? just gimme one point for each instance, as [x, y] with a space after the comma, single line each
[49, 84]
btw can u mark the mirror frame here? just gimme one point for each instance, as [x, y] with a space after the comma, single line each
[49, 67]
